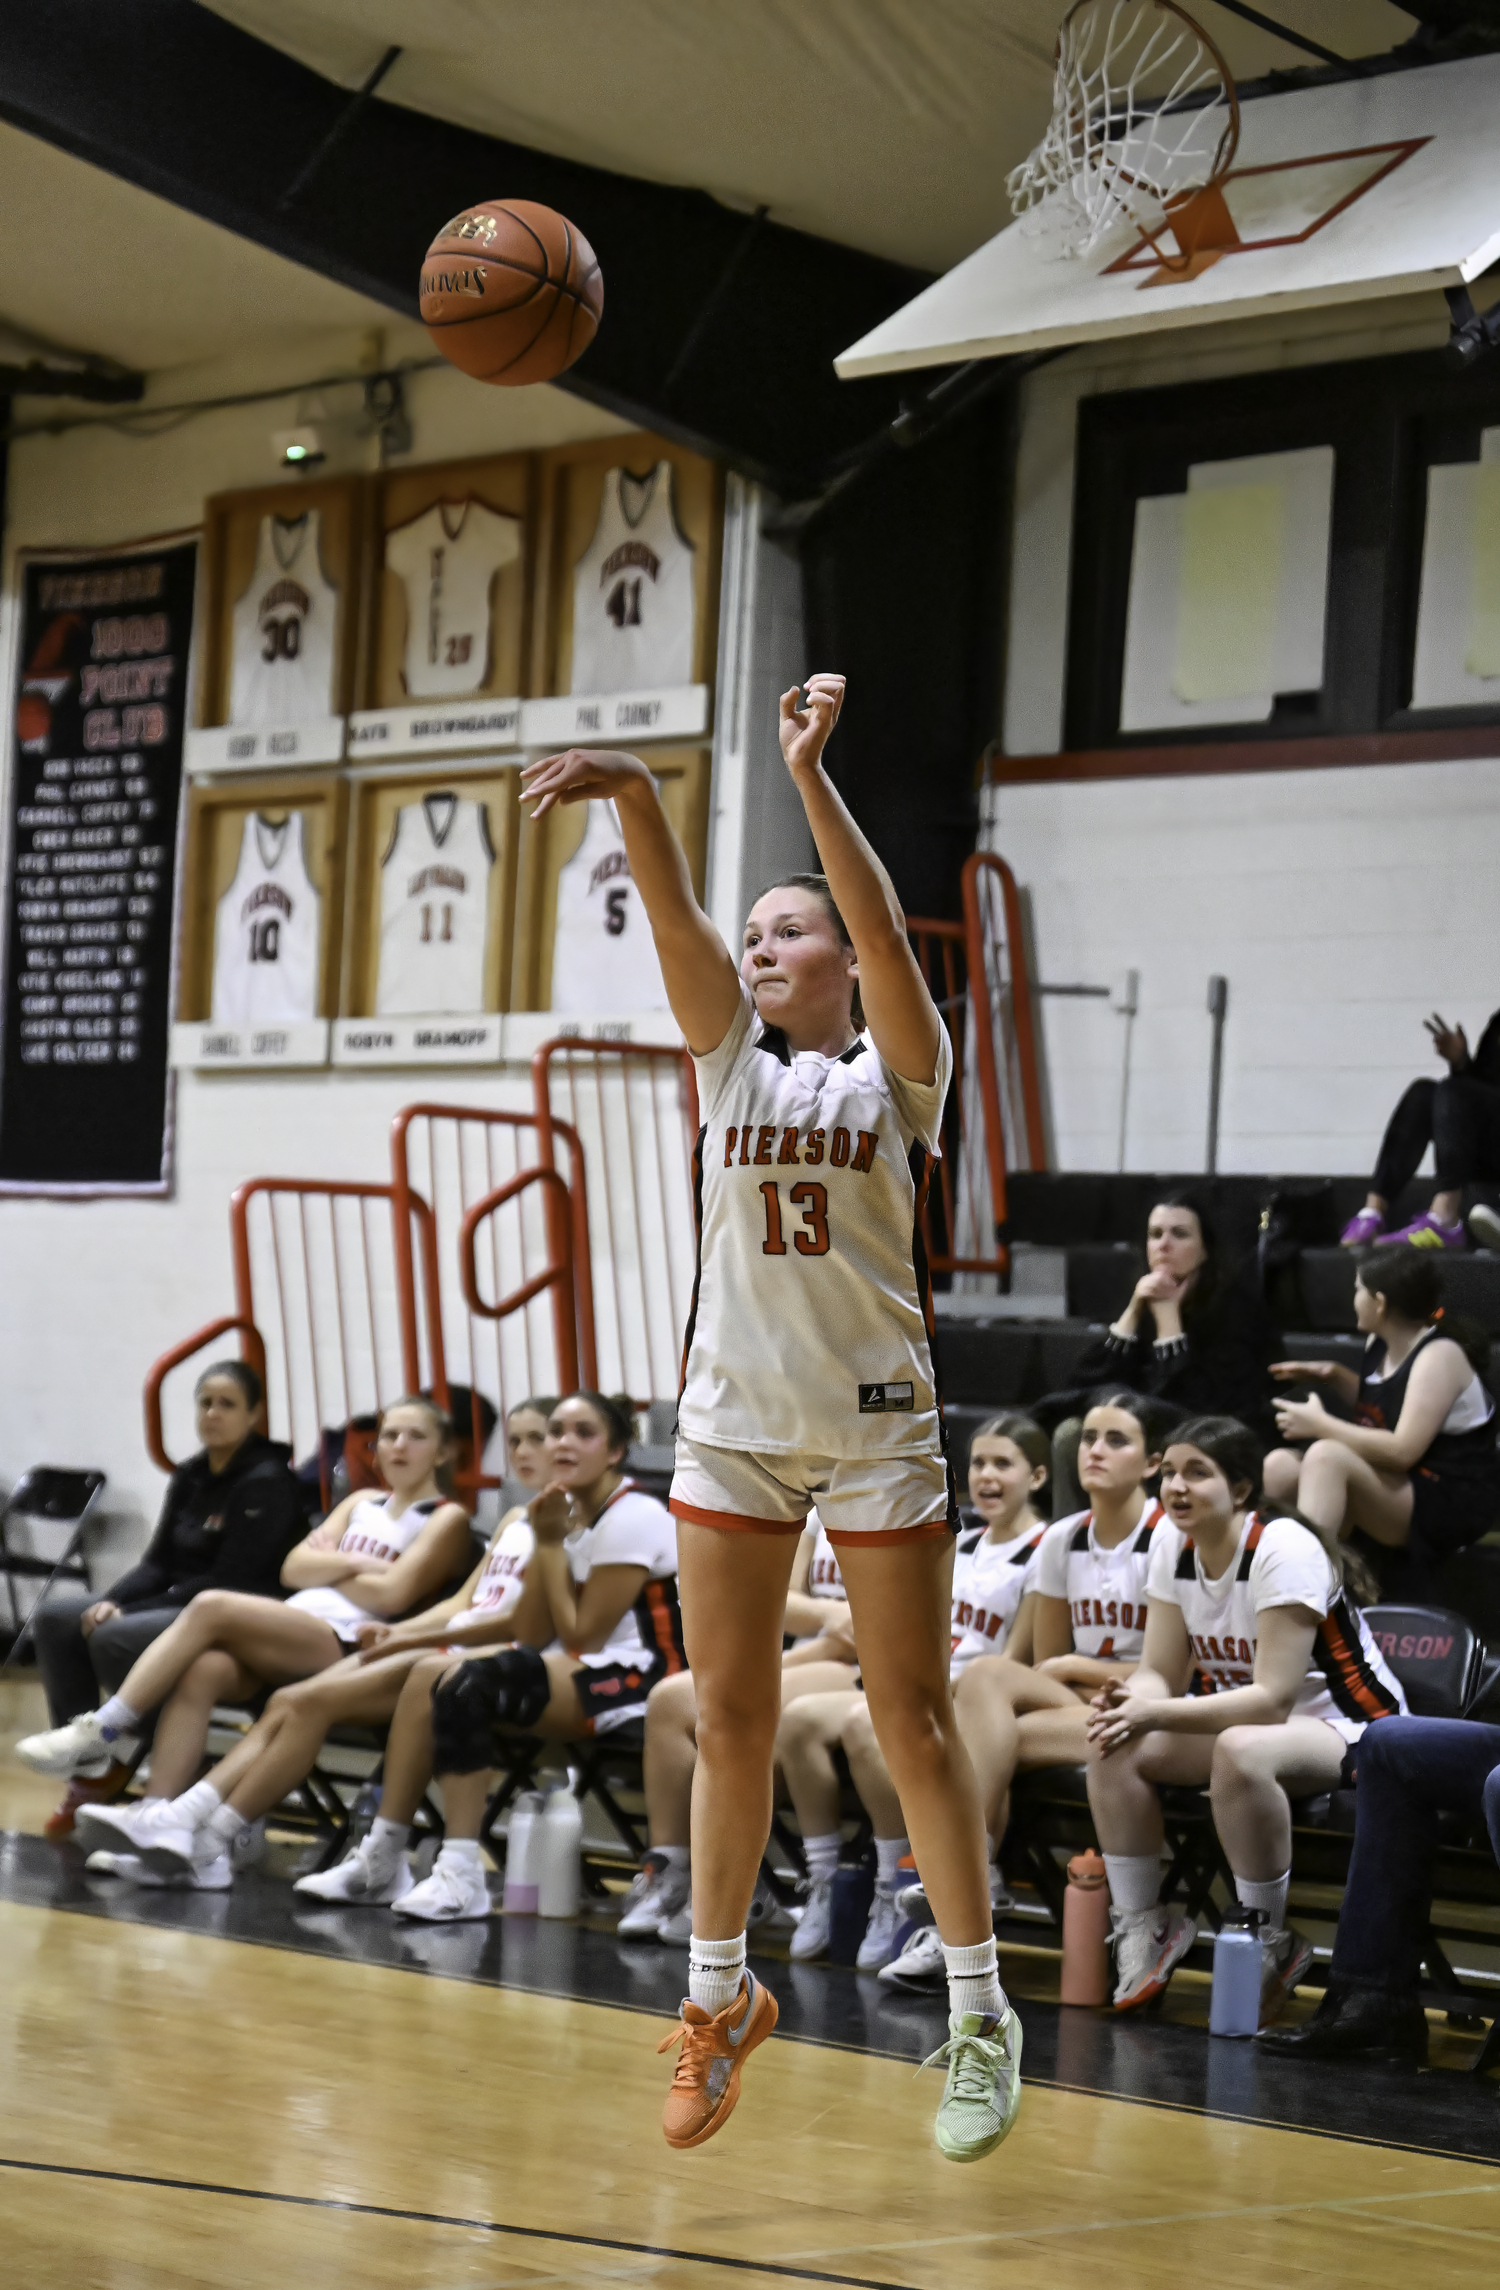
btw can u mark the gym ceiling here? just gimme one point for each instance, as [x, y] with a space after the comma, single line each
[762, 179]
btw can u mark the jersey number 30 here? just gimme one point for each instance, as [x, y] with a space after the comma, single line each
[813, 1202]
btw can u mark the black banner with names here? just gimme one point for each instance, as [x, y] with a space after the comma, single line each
[95, 792]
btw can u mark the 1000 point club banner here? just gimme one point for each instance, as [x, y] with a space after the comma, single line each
[95, 789]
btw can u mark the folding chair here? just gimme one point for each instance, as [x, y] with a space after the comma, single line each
[46, 1497]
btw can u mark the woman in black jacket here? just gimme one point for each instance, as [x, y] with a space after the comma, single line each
[1194, 1337]
[232, 1513]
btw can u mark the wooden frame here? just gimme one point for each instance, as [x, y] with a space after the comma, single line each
[232, 523]
[376, 801]
[683, 773]
[571, 486]
[215, 827]
[508, 483]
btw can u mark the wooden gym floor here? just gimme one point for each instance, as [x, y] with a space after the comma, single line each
[213, 2090]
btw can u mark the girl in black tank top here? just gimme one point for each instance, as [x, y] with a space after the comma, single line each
[1415, 1475]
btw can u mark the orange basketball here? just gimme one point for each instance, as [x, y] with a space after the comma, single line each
[511, 292]
[33, 718]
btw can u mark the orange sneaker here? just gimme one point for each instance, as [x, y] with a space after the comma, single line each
[707, 2082]
[104, 1791]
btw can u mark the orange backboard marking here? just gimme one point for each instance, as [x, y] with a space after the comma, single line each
[1210, 244]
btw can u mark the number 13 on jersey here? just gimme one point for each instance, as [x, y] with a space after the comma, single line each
[812, 1199]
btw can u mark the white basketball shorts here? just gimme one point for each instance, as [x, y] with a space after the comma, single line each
[875, 1499]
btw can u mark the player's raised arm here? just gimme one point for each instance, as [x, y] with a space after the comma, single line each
[900, 1013]
[702, 982]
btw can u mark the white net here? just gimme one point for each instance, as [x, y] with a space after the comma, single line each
[1144, 113]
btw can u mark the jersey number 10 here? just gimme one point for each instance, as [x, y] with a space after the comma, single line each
[813, 1201]
[265, 939]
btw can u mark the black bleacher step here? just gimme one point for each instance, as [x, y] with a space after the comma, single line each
[1471, 1285]
[1101, 1278]
[1007, 1363]
[1056, 1209]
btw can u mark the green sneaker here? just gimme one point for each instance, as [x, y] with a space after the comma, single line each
[983, 2092]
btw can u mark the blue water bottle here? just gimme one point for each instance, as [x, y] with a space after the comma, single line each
[1235, 2009]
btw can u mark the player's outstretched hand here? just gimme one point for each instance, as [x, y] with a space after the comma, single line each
[578, 775]
[804, 731]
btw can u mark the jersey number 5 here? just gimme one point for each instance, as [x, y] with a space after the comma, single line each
[813, 1202]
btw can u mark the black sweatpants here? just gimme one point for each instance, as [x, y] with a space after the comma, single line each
[1459, 1118]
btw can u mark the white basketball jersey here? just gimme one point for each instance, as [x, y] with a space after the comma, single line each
[633, 590]
[434, 908]
[811, 1332]
[603, 954]
[1279, 1562]
[499, 1585]
[989, 1582]
[823, 1577]
[284, 625]
[371, 1533]
[1105, 1589]
[448, 559]
[268, 930]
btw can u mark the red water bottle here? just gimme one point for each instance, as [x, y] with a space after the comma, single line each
[1085, 1948]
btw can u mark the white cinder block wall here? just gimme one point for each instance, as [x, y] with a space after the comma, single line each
[1342, 905]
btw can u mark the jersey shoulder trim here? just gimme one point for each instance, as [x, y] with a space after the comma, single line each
[1079, 1539]
[970, 1538]
[1186, 1566]
[1247, 1555]
[773, 1041]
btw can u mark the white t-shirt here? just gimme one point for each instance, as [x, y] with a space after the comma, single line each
[1105, 1589]
[810, 1333]
[989, 1582]
[374, 1534]
[633, 1529]
[1278, 1563]
[499, 1584]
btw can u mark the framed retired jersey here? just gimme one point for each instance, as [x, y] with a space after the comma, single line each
[263, 911]
[584, 946]
[452, 587]
[629, 569]
[431, 924]
[285, 566]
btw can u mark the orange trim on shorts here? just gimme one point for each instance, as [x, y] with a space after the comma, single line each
[890, 1534]
[733, 1522]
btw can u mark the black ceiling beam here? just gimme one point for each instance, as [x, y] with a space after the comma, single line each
[167, 95]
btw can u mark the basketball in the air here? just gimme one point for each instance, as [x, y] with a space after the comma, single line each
[511, 292]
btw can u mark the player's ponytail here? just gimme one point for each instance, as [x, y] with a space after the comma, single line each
[818, 886]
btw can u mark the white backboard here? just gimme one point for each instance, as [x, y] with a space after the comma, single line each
[1366, 188]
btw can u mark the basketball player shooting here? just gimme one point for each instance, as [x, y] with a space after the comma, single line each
[808, 1378]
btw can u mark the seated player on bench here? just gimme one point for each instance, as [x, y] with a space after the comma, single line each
[600, 1594]
[230, 1515]
[659, 1903]
[372, 1559]
[1416, 1475]
[188, 1839]
[993, 1570]
[1288, 1679]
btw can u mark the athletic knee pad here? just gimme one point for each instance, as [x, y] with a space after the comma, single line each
[510, 1689]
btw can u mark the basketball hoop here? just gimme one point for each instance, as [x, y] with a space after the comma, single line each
[1145, 125]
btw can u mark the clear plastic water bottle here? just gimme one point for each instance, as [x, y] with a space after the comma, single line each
[1235, 2009]
[520, 1894]
[557, 1854]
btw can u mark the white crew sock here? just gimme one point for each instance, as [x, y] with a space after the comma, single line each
[716, 1973]
[675, 1856]
[226, 1825]
[196, 1807]
[822, 1855]
[1269, 1898]
[889, 1854]
[116, 1717]
[1134, 1881]
[462, 1849]
[974, 1979]
[386, 1840]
